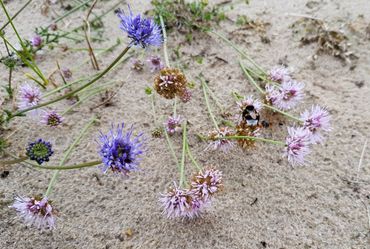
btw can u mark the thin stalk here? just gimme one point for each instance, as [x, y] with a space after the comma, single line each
[15, 15]
[152, 102]
[171, 148]
[256, 139]
[208, 105]
[174, 107]
[16, 160]
[284, 113]
[100, 75]
[192, 158]
[213, 96]
[67, 154]
[250, 78]
[238, 50]
[164, 42]
[71, 11]
[182, 165]
[10, 83]
[88, 38]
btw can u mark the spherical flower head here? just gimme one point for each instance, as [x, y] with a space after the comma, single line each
[185, 97]
[137, 65]
[170, 82]
[36, 41]
[297, 145]
[173, 124]
[178, 202]
[279, 74]
[29, 95]
[121, 151]
[39, 151]
[143, 32]
[35, 211]
[286, 96]
[52, 119]
[316, 120]
[218, 140]
[155, 63]
[243, 129]
[207, 182]
[250, 101]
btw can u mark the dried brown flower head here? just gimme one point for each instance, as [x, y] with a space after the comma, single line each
[170, 82]
[242, 129]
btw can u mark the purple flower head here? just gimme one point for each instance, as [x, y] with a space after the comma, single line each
[185, 203]
[143, 32]
[137, 65]
[36, 41]
[286, 96]
[155, 63]
[185, 97]
[52, 119]
[35, 211]
[207, 182]
[217, 141]
[173, 124]
[29, 95]
[39, 151]
[250, 101]
[121, 151]
[279, 74]
[297, 145]
[316, 120]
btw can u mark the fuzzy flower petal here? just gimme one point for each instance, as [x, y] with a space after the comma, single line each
[142, 31]
[155, 63]
[286, 96]
[207, 182]
[250, 101]
[316, 120]
[52, 119]
[217, 141]
[173, 124]
[29, 95]
[297, 145]
[121, 151]
[36, 41]
[35, 211]
[279, 74]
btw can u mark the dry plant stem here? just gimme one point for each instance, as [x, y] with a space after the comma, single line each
[282, 112]
[34, 66]
[197, 166]
[238, 50]
[360, 162]
[152, 102]
[17, 160]
[67, 154]
[164, 42]
[250, 78]
[15, 15]
[70, 12]
[170, 146]
[87, 37]
[255, 138]
[208, 106]
[182, 165]
[100, 75]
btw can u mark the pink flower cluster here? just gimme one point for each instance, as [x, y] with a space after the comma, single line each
[191, 202]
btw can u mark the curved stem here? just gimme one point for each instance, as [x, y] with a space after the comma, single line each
[282, 112]
[255, 138]
[67, 154]
[182, 165]
[164, 33]
[68, 167]
[208, 106]
[100, 75]
[192, 158]
[213, 96]
[250, 78]
[171, 148]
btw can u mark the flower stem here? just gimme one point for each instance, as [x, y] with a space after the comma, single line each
[282, 112]
[238, 50]
[67, 154]
[255, 138]
[15, 15]
[208, 106]
[182, 165]
[214, 98]
[164, 33]
[96, 78]
[250, 78]
[174, 107]
[152, 102]
[192, 158]
[16, 160]
[171, 148]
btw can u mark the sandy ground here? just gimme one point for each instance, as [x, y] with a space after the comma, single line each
[317, 206]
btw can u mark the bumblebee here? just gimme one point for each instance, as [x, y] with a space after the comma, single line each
[250, 116]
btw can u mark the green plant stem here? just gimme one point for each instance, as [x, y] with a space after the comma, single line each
[15, 15]
[197, 166]
[213, 96]
[182, 165]
[10, 89]
[170, 146]
[67, 154]
[250, 78]
[256, 139]
[244, 55]
[100, 75]
[152, 102]
[282, 112]
[71, 11]
[164, 42]
[208, 105]
[16, 160]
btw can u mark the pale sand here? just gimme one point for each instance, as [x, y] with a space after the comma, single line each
[317, 206]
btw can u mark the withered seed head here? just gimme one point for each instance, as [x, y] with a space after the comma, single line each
[242, 129]
[170, 82]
